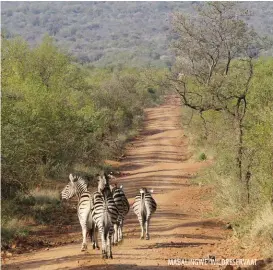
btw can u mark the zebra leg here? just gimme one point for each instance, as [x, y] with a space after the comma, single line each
[91, 234]
[113, 240]
[84, 233]
[94, 238]
[147, 229]
[115, 234]
[109, 247]
[103, 246]
[142, 222]
[120, 235]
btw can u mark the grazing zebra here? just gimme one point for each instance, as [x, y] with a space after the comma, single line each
[105, 214]
[144, 206]
[123, 208]
[78, 186]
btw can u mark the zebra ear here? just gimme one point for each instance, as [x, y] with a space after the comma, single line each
[121, 186]
[111, 176]
[71, 178]
[151, 190]
[106, 179]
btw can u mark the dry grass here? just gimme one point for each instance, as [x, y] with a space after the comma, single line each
[43, 196]
[15, 223]
[262, 228]
[12, 229]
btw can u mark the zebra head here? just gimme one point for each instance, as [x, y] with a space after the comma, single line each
[111, 175]
[103, 181]
[103, 184]
[143, 191]
[75, 186]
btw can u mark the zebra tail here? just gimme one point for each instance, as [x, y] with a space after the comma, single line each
[106, 225]
[142, 208]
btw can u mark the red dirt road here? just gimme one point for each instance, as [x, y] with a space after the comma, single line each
[157, 159]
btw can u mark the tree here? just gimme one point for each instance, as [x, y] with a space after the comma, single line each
[215, 51]
[212, 49]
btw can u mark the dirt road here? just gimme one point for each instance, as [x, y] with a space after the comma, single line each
[158, 159]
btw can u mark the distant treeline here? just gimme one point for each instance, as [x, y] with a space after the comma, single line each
[111, 33]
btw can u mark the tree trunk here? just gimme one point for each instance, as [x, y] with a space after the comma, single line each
[240, 151]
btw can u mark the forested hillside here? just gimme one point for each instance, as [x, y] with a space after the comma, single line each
[112, 33]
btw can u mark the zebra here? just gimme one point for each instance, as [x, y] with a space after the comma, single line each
[105, 214]
[123, 207]
[144, 206]
[78, 186]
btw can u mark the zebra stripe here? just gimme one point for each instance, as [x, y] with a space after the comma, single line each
[144, 206]
[105, 214]
[123, 208]
[78, 186]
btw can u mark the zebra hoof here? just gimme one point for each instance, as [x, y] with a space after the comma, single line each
[95, 246]
[84, 248]
[141, 237]
[104, 256]
[147, 237]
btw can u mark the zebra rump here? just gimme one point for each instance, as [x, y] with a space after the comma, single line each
[123, 207]
[105, 214]
[144, 206]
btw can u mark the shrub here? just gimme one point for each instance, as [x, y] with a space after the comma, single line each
[12, 229]
[202, 156]
[262, 227]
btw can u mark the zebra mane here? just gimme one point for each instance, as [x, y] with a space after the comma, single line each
[144, 190]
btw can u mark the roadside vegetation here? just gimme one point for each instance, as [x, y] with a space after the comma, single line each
[226, 88]
[59, 117]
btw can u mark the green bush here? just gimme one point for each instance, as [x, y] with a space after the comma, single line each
[56, 114]
[202, 156]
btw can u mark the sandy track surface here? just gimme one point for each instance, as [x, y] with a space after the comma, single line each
[158, 159]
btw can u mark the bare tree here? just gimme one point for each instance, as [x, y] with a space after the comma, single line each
[214, 64]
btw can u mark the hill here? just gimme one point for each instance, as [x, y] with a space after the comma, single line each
[103, 33]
